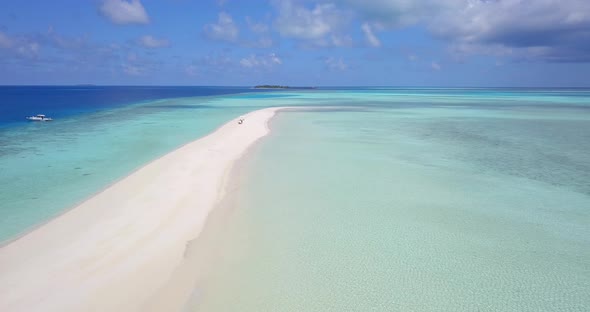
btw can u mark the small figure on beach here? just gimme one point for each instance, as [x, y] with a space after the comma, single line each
[240, 121]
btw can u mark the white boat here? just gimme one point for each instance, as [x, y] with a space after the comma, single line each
[39, 117]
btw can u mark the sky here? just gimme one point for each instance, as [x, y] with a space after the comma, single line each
[460, 43]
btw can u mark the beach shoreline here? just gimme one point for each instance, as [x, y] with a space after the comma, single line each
[71, 263]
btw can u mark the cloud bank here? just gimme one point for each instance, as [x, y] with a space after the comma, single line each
[549, 30]
[540, 30]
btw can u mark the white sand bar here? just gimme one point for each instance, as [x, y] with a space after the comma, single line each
[113, 251]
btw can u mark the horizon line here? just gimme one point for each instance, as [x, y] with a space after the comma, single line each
[298, 86]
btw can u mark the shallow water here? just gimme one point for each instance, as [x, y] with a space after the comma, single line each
[460, 206]
[370, 200]
[48, 167]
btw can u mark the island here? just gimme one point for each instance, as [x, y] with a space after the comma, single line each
[280, 87]
[270, 87]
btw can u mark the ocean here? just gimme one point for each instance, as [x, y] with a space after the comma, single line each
[363, 199]
[408, 200]
[99, 135]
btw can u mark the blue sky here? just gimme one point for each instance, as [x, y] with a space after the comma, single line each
[296, 42]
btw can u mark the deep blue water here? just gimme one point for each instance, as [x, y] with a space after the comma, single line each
[17, 102]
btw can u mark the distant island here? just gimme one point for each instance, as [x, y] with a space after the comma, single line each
[280, 87]
[270, 87]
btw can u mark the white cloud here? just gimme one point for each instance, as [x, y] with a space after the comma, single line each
[152, 42]
[435, 66]
[225, 29]
[22, 47]
[50, 49]
[261, 61]
[334, 64]
[29, 49]
[397, 13]
[315, 25]
[370, 36]
[124, 11]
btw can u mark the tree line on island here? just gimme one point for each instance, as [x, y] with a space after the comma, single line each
[280, 87]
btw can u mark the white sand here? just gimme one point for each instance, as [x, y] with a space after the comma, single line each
[115, 250]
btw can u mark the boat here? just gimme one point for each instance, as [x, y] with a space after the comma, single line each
[39, 117]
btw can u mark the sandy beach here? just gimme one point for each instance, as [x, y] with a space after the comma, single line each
[116, 249]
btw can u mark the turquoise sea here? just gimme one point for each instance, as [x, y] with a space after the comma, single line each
[363, 199]
[408, 200]
[95, 139]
